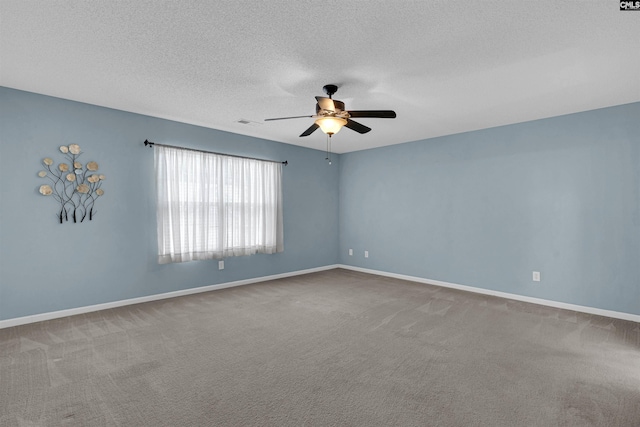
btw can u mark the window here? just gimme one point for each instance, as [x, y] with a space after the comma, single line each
[214, 206]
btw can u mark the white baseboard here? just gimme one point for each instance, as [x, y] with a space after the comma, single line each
[539, 301]
[90, 308]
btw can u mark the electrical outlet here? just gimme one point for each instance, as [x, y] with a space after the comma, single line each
[350, 252]
[536, 276]
[366, 254]
[220, 265]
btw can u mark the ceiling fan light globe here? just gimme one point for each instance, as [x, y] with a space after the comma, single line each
[331, 125]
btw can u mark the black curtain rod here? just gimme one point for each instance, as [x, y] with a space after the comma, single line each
[151, 144]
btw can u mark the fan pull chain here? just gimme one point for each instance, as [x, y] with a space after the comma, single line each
[328, 149]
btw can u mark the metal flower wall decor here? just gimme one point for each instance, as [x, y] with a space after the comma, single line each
[75, 186]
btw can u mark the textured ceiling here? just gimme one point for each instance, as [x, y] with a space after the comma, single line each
[444, 66]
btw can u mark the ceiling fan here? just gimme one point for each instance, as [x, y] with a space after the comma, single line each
[331, 116]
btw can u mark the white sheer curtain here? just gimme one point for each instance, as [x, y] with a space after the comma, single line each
[214, 206]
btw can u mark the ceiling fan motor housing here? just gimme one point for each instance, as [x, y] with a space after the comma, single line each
[338, 107]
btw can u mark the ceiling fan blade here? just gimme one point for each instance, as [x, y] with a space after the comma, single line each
[309, 131]
[287, 118]
[325, 103]
[358, 127]
[380, 114]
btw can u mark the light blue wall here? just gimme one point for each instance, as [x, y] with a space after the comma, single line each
[46, 266]
[486, 208]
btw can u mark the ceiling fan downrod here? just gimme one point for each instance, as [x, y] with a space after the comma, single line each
[330, 90]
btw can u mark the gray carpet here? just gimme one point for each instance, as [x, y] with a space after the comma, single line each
[336, 348]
